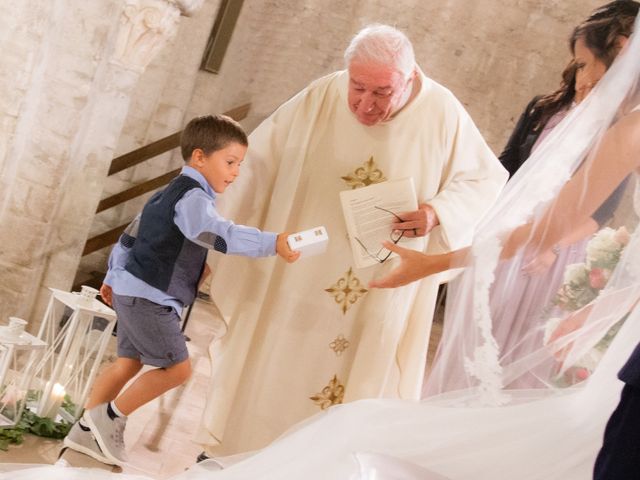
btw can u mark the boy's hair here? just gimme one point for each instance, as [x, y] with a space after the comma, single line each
[210, 133]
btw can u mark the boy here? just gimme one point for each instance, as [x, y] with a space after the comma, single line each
[154, 272]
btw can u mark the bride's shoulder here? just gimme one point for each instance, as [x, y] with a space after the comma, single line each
[634, 113]
[622, 140]
[629, 123]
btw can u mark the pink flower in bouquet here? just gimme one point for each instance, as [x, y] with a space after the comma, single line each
[598, 278]
[622, 236]
[582, 373]
[574, 375]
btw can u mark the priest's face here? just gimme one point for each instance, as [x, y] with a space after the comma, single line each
[376, 92]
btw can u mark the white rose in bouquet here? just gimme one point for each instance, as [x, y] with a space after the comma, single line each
[622, 236]
[603, 250]
[576, 273]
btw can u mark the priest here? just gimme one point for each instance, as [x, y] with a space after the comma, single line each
[303, 338]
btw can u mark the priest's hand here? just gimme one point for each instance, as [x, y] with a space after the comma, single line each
[413, 266]
[283, 250]
[417, 223]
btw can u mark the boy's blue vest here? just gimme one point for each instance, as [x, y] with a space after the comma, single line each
[161, 255]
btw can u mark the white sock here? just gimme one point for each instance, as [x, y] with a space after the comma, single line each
[115, 410]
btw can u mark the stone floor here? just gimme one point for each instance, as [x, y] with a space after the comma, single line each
[159, 435]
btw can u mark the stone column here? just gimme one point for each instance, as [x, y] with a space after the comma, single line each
[86, 60]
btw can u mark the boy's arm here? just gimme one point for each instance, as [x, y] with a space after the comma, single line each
[120, 253]
[198, 220]
[106, 293]
[117, 260]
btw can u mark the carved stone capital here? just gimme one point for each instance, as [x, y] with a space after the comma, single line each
[187, 7]
[145, 27]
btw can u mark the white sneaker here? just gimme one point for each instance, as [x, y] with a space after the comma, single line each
[108, 433]
[83, 441]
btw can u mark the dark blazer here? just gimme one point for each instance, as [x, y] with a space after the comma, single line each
[630, 373]
[522, 138]
[619, 456]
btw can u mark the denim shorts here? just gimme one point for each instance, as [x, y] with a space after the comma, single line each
[149, 332]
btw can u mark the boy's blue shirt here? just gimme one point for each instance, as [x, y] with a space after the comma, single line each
[198, 220]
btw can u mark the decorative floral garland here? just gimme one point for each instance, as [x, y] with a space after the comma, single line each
[32, 423]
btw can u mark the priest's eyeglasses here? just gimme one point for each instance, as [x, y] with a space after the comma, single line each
[395, 237]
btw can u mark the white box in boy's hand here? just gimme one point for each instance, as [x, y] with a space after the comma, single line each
[310, 242]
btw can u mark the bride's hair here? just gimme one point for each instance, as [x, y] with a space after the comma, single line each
[615, 8]
[600, 33]
[550, 104]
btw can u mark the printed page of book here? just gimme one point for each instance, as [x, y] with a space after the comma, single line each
[369, 216]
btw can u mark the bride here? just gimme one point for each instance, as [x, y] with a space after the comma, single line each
[529, 224]
[486, 430]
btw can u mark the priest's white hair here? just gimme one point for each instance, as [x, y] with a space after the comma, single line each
[382, 45]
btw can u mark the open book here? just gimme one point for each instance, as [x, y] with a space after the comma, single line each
[369, 215]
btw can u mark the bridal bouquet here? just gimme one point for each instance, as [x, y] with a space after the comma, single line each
[582, 283]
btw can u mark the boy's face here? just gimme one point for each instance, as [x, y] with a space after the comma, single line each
[219, 168]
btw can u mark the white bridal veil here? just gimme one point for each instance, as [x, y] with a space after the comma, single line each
[530, 403]
[502, 324]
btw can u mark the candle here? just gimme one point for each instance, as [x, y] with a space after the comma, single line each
[55, 401]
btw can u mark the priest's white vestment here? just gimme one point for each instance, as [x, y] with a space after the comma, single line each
[305, 336]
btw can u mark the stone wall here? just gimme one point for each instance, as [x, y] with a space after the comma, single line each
[44, 81]
[65, 110]
[493, 55]
[158, 105]
[66, 76]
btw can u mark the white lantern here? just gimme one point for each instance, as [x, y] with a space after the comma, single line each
[77, 329]
[20, 354]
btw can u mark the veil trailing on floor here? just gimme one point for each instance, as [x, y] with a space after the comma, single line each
[530, 403]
